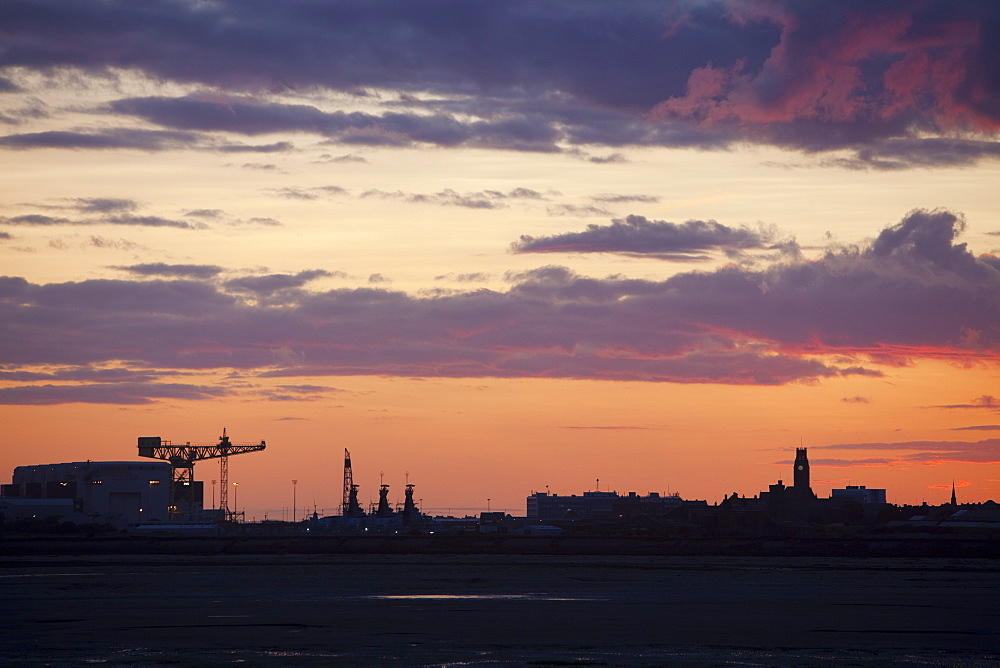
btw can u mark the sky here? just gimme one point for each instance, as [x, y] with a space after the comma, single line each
[494, 248]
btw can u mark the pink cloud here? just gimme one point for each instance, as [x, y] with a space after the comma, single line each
[845, 66]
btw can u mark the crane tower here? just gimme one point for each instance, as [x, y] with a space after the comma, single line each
[183, 457]
[348, 483]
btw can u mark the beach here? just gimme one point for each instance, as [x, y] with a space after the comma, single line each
[297, 609]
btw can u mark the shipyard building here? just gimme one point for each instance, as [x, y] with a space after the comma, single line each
[118, 493]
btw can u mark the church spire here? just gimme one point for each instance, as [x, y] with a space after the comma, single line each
[953, 501]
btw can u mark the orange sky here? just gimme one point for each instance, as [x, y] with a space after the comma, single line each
[508, 252]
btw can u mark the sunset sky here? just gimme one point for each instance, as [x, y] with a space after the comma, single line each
[506, 246]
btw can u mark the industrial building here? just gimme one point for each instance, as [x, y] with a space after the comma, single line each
[118, 493]
[859, 493]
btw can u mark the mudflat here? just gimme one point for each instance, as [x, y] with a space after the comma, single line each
[498, 609]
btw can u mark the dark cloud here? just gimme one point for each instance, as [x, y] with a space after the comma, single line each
[39, 219]
[249, 117]
[844, 463]
[298, 392]
[8, 86]
[856, 400]
[913, 289]
[6, 236]
[103, 205]
[272, 283]
[116, 244]
[864, 72]
[930, 452]
[265, 222]
[577, 210]
[980, 427]
[149, 221]
[610, 428]
[197, 271]
[896, 154]
[350, 157]
[85, 374]
[105, 393]
[276, 147]
[106, 211]
[985, 401]
[537, 74]
[638, 236]
[474, 277]
[611, 159]
[205, 213]
[306, 193]
[143, 140]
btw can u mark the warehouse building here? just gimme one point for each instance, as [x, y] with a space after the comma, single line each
[119, 493]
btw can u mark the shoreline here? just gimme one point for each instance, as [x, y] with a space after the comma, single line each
[888, 546]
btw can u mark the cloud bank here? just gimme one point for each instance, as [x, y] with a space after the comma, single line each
[912, 290]
[896, 84]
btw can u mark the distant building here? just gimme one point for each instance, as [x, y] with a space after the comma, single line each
[591, 505]
[602, 505]
[859, 493]
[120, 493]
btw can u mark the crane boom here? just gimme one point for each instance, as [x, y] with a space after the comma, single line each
[183, 457]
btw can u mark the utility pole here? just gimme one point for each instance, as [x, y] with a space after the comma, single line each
[294, 506]
[236, 503]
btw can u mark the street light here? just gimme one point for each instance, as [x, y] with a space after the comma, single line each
[294, 484]
[236, 505]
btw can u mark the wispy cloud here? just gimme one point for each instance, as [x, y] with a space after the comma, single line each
[106, 393]
[638, 236]
[198, 271]
[483, 199]
[983, 402]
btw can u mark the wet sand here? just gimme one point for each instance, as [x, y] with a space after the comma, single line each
[498, 609]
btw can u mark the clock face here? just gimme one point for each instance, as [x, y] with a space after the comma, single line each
[800, 467]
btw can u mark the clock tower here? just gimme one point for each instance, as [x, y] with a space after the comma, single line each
[801, 475]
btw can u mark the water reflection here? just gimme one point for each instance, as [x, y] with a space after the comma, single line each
[479, 597]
